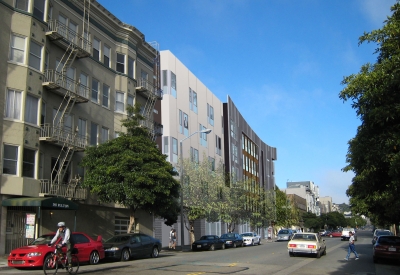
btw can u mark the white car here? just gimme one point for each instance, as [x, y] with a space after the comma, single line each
[251, 238]
[307, 243]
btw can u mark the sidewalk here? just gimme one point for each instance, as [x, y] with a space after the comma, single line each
[3, 262]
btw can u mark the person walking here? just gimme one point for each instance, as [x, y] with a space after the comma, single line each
[171, 234]
[173, 239]
[352, 247]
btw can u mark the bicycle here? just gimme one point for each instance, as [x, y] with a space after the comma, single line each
[58, 258]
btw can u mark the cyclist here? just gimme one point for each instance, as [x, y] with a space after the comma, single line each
[65, 235]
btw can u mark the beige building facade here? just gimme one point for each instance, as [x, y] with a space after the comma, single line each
[69, 69]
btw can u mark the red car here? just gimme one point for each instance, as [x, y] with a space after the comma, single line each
[335, 233]
[386, 248]
[32, 255]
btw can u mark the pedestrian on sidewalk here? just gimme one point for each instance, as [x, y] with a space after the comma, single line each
[173, 239]
[352, 247]
[171, 233]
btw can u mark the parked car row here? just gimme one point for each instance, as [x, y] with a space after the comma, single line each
[212, 242]
[119, 247]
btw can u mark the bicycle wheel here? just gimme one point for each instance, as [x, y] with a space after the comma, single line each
[50, 265]
[75, 265]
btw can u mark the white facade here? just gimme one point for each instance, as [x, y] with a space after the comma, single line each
[307, 190]
[188, 106]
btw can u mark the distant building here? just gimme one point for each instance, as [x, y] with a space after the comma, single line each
[307, 190]
[325, 204]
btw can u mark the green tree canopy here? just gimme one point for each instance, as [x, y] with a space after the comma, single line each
[373, 154]
[130, 170]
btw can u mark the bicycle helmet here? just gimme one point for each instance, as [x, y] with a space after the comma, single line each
[61, 224]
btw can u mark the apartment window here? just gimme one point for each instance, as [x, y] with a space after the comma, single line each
[95, 90]
[31, 109]
[210, 114]
[203, 136]
[183, 123]
[131, 64]
[166, 147]
[165, 81]
[194, 155]
[119, 102]
[120, 66]
[72, 32]
[84, 83]
[43, 113]
[174, 150]
[212, 163]
[173, 85]
[106, 55]
[106, 95]
[130, 100]
[96, 49]
[104, 134]
[13, 104]
[22, 4]
[10, 159]
[17, 49]
[35, 55]
[82, 128]
[28, 163]
[93, 133]
[38, 9]
[193, 100]
[218, 145]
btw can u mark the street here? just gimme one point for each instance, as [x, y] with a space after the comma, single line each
[268, 258]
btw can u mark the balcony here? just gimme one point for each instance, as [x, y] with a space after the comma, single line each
[72, 190]
[148, 89]
[63, 37]
[62, 84]
[155, 129]
[62, 136]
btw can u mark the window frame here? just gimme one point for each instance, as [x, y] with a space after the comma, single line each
[6, 160]
[120, 64]
[26, 163]
[106, 55]
[94, 95]
[14, 104]
[13, 48]
[96, 50]
[29, 116]
[106, 96]
[118, 103]
[94, 139]
[35, 56]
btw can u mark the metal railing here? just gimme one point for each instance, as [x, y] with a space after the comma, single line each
[149, 87]
[70, 190]
[69, 35]
[63, 81]
[62, 135]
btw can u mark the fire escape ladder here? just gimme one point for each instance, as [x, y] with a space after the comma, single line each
[60, 168]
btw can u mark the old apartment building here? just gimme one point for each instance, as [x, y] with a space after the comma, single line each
[68, 71]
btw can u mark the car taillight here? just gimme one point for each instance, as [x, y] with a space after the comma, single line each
[292, 245]
[380, 247]
[311, 246]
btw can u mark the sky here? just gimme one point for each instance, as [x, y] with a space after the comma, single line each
[282, 63]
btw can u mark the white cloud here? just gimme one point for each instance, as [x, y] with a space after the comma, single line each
[376, 10]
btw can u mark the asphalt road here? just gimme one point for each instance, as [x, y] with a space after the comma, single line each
[268, 258]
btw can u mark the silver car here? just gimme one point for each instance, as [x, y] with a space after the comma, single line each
[284, 235]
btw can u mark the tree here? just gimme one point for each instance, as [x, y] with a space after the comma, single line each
[203, 190]
[130, 170]
[373, 154]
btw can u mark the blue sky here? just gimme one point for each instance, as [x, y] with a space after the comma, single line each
[281, 62]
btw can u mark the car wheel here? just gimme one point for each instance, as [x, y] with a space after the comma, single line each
[212, 247]
[125, 255]
[252, 242]
[154, 252]
[259, 241]
[375, 259]
[234, 245]
[324, 252]
[291, 254]
[94, 257]
[242, 244]
[223, 246]
[319, 254]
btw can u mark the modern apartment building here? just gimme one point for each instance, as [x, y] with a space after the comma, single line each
[188, 106]
[69, 69]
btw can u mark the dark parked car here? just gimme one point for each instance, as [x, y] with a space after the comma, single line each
[378, 233]
[232, 239]
[208, 242]
[386, 247]
[126, 246]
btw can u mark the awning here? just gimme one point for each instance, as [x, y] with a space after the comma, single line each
[55, 203]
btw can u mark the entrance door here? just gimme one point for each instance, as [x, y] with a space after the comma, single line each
[15, 231]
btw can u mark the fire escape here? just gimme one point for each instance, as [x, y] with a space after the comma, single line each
[152, 92]
[72, 92]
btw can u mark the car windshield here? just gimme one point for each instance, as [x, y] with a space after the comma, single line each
[207, 238]
[247, 234]
[389, 240]
[118, 239]
[283, 232]
[228, 236]
[45, 239]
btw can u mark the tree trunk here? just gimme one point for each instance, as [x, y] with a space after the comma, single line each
[131, 220]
